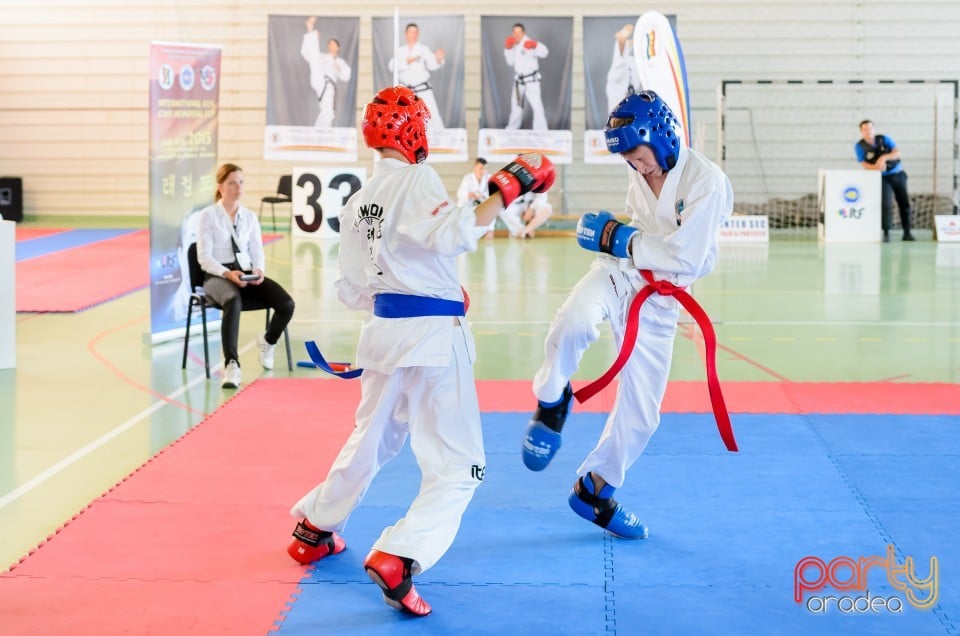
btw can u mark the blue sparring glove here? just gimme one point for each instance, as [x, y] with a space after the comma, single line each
[601, 232]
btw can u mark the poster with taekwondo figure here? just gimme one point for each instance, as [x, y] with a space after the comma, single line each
[646, 55]
[426, 54]
[311, 88]
[526, 91]
[607, 78]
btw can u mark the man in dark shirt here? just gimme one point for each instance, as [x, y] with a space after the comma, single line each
[880, 152]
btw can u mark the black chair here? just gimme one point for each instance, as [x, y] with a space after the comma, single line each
[198, 299]
[284, 195]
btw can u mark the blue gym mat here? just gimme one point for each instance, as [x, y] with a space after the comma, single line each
[43, 245]
[726, 534]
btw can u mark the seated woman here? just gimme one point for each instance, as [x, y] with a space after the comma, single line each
[230, 252]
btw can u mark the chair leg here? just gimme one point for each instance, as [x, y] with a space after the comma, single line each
[273, 215]
[286, 338]
[206, 348]
[186, 335]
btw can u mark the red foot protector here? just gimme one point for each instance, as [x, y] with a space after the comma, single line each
[312, 544]
[392, 574]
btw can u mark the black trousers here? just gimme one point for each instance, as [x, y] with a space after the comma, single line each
[895, 187]
[233, 299]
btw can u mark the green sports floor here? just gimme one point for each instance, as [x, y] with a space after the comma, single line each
[89, 403]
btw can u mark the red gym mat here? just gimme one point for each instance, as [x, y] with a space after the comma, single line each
[757, 397]
[84, 276]
[194, 541]
[27, 233]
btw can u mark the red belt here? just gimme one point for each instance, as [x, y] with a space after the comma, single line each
[666, 288]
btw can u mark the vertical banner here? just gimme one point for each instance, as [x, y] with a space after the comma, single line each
[526, 75]
[184, 115]
[428, 58]
[311, 88]
[608, 78]
[8, 291]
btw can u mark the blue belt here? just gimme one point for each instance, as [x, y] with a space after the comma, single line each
[405, 306]
[392, 306]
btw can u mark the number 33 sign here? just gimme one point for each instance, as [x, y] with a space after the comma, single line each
[318, 194]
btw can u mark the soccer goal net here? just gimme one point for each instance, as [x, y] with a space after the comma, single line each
[775, 136]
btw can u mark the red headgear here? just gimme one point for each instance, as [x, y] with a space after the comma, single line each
[397, 118]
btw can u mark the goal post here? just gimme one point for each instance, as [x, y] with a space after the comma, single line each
[775, 135]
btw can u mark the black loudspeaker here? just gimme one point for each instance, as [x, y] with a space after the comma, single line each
[11, 198]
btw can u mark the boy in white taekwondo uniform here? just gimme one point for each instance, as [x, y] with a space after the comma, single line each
[474, 185]
[399, 241]
[326, 69]
[677, 200]
[413, 63]
[473, 189]
[526, 214]
[523, 54]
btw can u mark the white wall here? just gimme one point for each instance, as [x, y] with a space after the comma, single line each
[73, 79]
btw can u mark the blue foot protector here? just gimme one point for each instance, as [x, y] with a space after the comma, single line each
[603, 510]
[542, 438]
[540, 444]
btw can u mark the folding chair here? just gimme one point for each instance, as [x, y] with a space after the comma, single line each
[284, 195]
[199, 300]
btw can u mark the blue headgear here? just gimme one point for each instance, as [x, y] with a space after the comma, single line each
[644, 118]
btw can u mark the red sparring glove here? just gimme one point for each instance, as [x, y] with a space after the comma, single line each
[530, 44]
[530, 172]
[466, 299]
[509, 42]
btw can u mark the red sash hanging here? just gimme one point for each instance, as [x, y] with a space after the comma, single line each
[666, 288]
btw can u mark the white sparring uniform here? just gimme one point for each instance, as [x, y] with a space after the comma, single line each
[325, 71]
[512, 215]
[676, 241]
[470, 184]
[526, 83]
[538, 213]
[400, 234]
[623, 78]
[415, 75]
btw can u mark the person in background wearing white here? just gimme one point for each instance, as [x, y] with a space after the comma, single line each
[537, 213]
[473, 188]
[230, 249]
[526, 214]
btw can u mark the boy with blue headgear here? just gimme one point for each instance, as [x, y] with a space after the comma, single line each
[677, 200]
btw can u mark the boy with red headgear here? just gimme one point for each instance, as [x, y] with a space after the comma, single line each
[399, 240]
